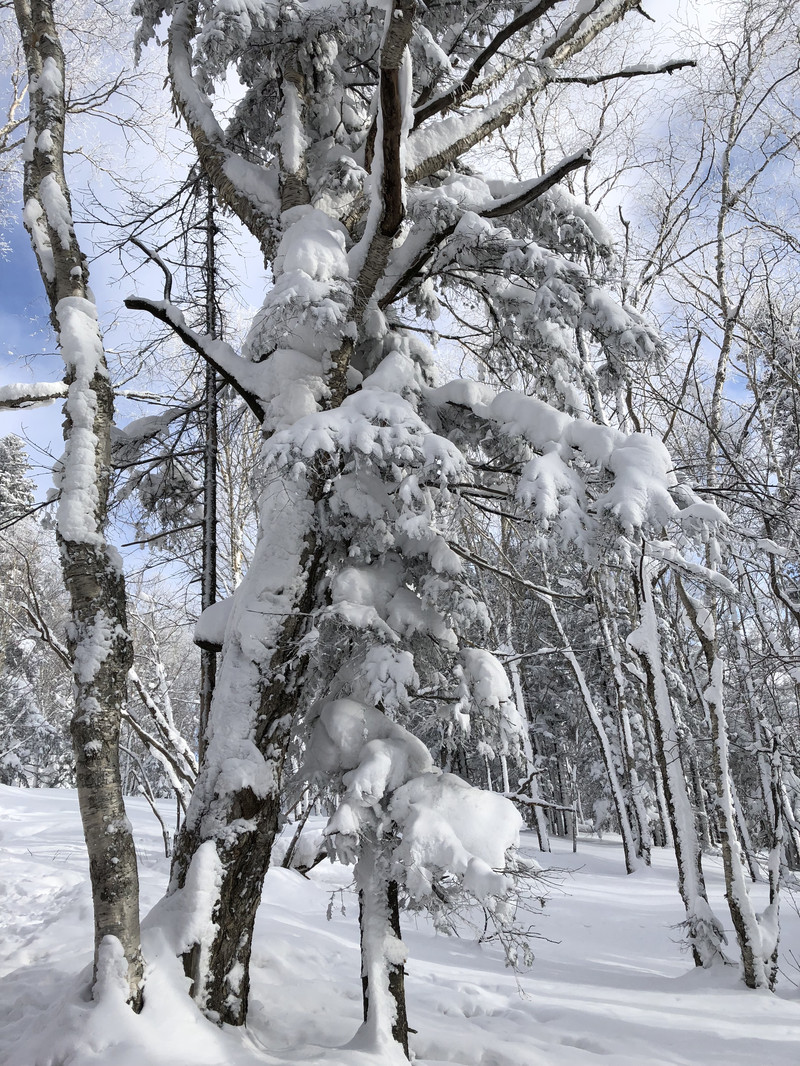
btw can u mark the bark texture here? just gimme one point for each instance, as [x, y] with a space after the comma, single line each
[382, 951]
[98, 640]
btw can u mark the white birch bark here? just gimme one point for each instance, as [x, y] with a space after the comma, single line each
[704, 932]
[640, 823]
[743, 915]
[531, 770]
[632, 862]
[98, 640]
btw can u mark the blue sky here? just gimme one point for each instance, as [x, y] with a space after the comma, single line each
[24, 333]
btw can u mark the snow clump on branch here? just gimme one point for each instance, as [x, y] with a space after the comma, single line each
[443, 829]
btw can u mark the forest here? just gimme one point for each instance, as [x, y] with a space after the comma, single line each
[420, 530]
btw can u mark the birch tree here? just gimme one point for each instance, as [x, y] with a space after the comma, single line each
[98, 643]
[722, 242]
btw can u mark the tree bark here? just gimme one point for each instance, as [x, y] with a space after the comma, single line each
[743, 916]
[208, 596]
[382, 951]
[704, 932]
[98, 640]
[236, 803]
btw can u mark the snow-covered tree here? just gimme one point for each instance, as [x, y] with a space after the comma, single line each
[98, 644]
[34, 733]
[16, 488]
[348, 158]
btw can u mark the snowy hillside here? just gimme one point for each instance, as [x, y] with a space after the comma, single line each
[609, 984]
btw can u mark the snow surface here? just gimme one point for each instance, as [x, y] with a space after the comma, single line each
[609, 984]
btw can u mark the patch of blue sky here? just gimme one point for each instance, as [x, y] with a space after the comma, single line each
[28, 353]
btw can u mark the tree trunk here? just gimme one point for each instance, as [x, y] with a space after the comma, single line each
[743, 916]
[382, 951]
[98, 639]
[770, 919]
[233, 815]
[531, 772]
[208, 596]
[629, 848]
[634, 800]
[704, 931]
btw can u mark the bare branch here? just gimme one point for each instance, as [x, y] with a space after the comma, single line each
[156, 258]
[450, 99]
[542, 592]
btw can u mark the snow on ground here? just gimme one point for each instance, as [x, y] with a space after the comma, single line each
[609, 987]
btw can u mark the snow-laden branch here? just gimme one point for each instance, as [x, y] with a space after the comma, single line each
[154, 257]
[667, 552]
[181, 755]
[637, 71]
[642, 492]
[536, 187]
[33, 394]
[249, 190]
[241, 375]
[457, 94]
[35, 616]
[432, 148]
[488, 200]
[445, 826]
[590, 19]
